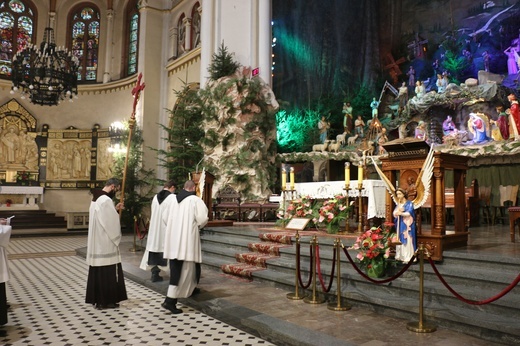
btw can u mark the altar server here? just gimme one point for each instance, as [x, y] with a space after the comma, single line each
[182, 245]
[105, 283]
[153, 255]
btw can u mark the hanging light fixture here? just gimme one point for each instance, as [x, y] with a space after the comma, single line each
[47, 74]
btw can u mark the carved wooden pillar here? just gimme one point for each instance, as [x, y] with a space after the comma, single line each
[438, 203]
[389, 205]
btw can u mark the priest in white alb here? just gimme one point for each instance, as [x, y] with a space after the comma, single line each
[182, 245]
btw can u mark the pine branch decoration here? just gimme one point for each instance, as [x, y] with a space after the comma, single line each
[222, 64]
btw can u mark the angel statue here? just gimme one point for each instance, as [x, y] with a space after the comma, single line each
[404, 212]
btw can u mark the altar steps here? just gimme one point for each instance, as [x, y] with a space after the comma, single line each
[34, 219]
[475, 276]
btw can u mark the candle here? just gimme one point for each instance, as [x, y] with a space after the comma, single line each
[284, 178]
[360, 176]
[347, 175]
[292, 178]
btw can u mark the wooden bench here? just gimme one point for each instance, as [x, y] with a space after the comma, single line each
[228, 204]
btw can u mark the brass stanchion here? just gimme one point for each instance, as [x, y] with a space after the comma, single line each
[421, 326]
[296, 295]
[338, 306]
[314, 299]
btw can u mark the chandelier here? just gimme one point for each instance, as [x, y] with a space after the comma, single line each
[47, 74]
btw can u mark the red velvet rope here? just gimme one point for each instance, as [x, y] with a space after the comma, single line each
[300, 272]
[137, 230]
[474, 302]
[318, 262]
[405, 268]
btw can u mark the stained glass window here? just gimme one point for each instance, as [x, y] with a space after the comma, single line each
[132, 38]
[85, 41]
[16, 31]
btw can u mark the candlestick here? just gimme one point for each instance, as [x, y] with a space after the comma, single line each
[347, 175]
[360, 176]
[284, 178]
[292, 178]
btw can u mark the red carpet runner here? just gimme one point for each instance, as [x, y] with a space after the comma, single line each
[250, 262]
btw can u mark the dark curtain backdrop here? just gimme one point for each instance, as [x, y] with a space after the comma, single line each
[324, 48]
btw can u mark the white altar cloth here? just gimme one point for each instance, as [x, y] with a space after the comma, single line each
[31, 194]
[375, 190]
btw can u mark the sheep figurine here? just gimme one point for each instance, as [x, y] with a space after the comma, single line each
[320, 147]
[335, 146]
[341, 138]
[351, 140]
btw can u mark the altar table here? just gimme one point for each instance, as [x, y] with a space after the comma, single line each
[33, 196]
[375, 190]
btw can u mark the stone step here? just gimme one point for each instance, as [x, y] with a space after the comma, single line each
[34, 219]
[473, 277]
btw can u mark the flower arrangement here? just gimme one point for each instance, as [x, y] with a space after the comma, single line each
[301, 207]
[23, 177]
[373, 249]
[321, 212]
[334, 211]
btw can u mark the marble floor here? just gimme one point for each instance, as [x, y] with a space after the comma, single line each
[47, 287]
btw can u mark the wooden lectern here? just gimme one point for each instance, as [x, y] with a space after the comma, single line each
[404, 161]
[207, 193]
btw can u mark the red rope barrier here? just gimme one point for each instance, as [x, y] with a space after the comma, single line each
[140, 234]
[318, 261]
[474, 302]
[300, 272]
[401, 272]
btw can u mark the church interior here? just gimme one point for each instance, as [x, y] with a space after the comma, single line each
[267, 114]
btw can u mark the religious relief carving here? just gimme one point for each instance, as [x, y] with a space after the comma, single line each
[18, 148]
[68, 159]
[104, 160]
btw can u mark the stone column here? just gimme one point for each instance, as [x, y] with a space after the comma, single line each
[151, 107]
[265, 41]
[187, 34]
[174, 33]
[109, 46]
[206, 39]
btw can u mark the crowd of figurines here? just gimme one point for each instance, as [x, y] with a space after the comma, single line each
[479, 128]
[370, 136]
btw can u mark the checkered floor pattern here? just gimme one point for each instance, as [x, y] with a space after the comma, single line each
[46, 293]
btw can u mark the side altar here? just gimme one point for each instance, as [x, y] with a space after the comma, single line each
[21, 197]
[402, 165]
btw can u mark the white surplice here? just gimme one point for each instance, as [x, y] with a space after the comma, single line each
[5, 235]
[157, 228]
[104, 233]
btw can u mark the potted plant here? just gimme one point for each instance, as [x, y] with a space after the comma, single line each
[8, 202]
[373, 250]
